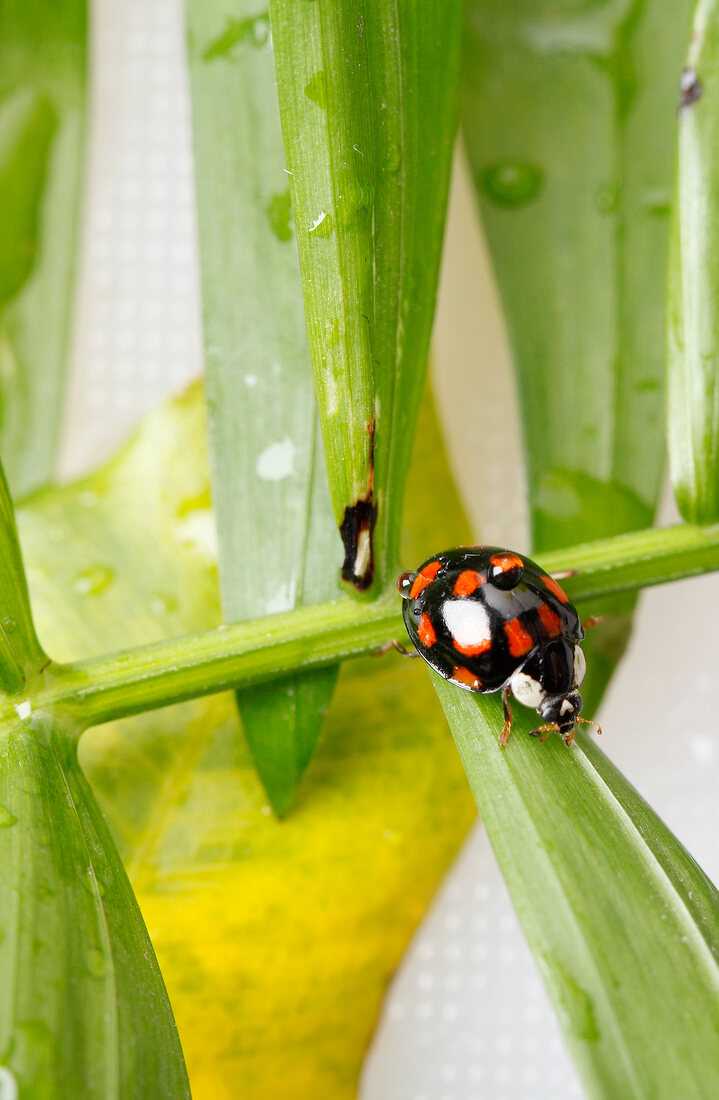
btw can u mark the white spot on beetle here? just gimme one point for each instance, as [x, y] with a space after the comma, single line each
[526, 690]
[580, 666]
[276, 462]
[566, 707]
[467, 622]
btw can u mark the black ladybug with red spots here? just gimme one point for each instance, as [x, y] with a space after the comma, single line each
[489, 619]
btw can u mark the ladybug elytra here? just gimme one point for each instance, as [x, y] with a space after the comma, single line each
[489, 619]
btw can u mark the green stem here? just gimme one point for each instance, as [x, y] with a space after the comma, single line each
[120, 684]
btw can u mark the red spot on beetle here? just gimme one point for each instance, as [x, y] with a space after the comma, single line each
[550, 619]
[426, 632]
[520, 642]
[504, 562]
[425, 575]
[468, 582]
[558, 591]
[463, 676]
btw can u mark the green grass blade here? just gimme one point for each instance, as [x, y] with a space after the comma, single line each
[623, 924]
[21, 656]
[269, 488]
[368, 100]
[84, 1014]
[570, 120]
[693, 316]
[42, 124]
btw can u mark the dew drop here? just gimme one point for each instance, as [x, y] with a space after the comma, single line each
[279, 213]
[392, 161]
[333, 332]
[511, 182]
[162, 603]
[323, 225]
[574, 1004]
[9, 625]
[93, 580]
[95, 962]
[607, 199]
[656, 201]
[6, 818]
[93, 884]
[352, 201]
[255, 31]
[316, 89]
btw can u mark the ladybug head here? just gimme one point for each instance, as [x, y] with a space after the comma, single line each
[562, 710]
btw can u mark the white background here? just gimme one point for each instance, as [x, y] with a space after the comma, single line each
[466, 1017]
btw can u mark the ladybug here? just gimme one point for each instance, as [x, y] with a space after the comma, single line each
[488, 619]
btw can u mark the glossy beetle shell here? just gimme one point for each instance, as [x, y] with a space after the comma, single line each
[479, 614]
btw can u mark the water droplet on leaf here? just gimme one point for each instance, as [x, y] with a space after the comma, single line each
[96, 964]
[316, 89]
[255, 31]
[512, 183]
[6, 818]
[607, 199]
[323, 225]
[279, 212]
[162, 603]
[93, 580]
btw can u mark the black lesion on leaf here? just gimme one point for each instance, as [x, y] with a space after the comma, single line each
[690, 89]
[357, 531]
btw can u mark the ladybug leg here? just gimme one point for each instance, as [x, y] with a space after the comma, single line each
[562, 576]
[394, 644]
[593, 620]
[588, 722]
[507, 718]
[546, 730]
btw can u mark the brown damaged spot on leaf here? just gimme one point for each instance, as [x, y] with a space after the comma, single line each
[690, 89]
[357, 530]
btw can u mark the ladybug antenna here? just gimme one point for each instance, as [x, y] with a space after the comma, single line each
[589, 722]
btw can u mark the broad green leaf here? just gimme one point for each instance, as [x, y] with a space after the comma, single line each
[27, 127]
[570, 120]
[42, 124]
[276, 940]
[623, 924]
[693, 318]
[84, 1014]
[277, 543]
[21, 657]
[368, 101]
